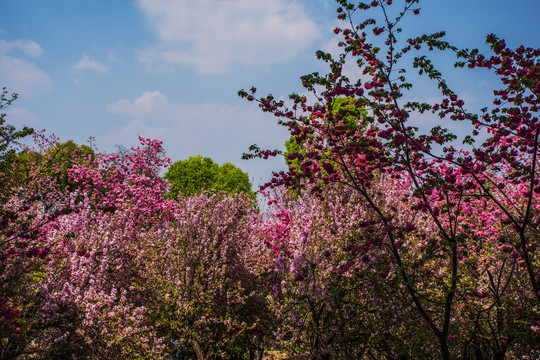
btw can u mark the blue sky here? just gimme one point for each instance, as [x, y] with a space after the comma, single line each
[171, 69]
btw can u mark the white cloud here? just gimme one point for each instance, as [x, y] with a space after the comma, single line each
[212, 35]
[20, 75]
[28, 47]
[19, 117]
[112, 56]
[23, 77]
[144, 105]
[220, 131]
[86, 64]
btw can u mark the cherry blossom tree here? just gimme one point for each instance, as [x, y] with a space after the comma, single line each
[132, 273]
[329, 302]
[444, 182]
[93, 295]
[211, 272]
[30, 200]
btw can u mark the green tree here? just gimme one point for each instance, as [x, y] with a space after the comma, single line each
[200, 174]
[56, 161]
[346, 110]
[9, 136]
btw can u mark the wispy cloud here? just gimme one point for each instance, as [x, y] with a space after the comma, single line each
[221, 131]
[144, 105]
[213, 35]
[21, 117]
[28, 47]
[86, 64]
[112, 56]
[23, 77]
[19, 74]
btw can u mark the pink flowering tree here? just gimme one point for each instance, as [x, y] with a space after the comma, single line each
[30, 200]
[340, 295]
[512, 147]
[135, 274]
[93, 295]
[210, 270]
[443, 185]
[9, 311]
[331, 301]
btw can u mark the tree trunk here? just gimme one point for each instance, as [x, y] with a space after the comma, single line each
[256, 356]
[197, 349]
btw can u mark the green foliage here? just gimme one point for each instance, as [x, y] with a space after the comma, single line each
[9, 134]
[200, 174]
[292, 147]
[57, 160]
[349, 111]
[9, 137]
[345, 109]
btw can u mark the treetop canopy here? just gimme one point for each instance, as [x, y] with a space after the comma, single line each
[201, 174]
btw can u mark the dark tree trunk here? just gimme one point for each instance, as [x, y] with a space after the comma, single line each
[197, 349]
